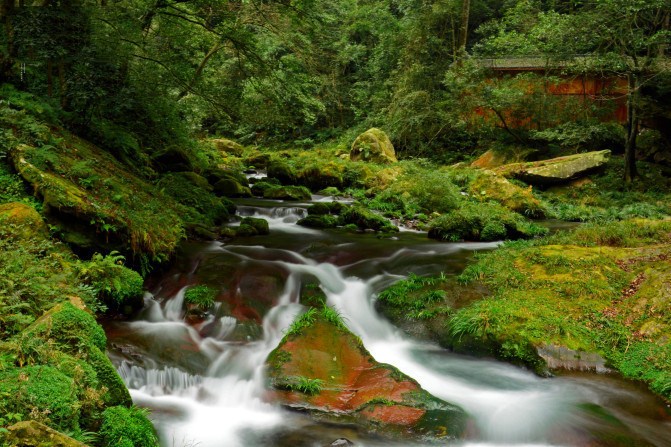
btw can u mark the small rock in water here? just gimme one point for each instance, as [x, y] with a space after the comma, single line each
[341, 442]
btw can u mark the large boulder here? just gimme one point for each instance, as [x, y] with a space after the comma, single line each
[228, 146]
[23, 221]
[493, 158]
[373, 145]
[490, 186]
[322, 368]
[556, 170]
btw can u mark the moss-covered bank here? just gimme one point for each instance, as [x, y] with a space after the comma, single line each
[600, 289]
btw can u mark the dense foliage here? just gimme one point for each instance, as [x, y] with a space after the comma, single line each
[137, 75]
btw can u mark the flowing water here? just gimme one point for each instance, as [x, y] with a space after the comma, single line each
[203, 377]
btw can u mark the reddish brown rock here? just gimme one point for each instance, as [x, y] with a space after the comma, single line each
[321, 367]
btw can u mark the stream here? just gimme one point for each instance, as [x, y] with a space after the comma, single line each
[203, 379]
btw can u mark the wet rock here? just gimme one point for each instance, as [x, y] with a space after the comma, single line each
[252, 226]
[560, 357]
[373, 145]
[556, 170]
[322, 368]
[341, 442]
[35, 434]
[228, 146]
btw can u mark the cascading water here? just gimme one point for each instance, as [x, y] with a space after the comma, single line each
[205, 381]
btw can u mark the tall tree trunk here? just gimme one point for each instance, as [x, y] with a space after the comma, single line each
[6, 10]
[630, 172]
[199, 71]
[61, 84]
[50, 78]
[463, 29]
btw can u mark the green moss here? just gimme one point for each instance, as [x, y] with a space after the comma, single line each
[202, 205]
[117, 393]
[115, 284]
[231, 188]
[282, 171]
[366, 219]
[319, 221]
[109, 204]
[483, 222]
[42, 392]
[287, 193]
[127, 427]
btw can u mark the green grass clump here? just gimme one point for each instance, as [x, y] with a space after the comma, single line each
[304, 385]
[200, 296]
[302, 322]
[127, 427]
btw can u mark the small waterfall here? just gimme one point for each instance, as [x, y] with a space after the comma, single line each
[280, 218]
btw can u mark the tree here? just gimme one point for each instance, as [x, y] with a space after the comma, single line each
[630, 39]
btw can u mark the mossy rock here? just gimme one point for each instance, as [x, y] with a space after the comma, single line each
[319, 221]
[287, 193]
[172, 159]
[373, 145]
[43, 389]
[36, 434]
[228, 146]
[556, 170]
[117, 393]
[365, 219]
[321, 367]
[483, 222]
[70, 326]
[491, 186]
[258, 159]
[25, 221]
[231, 188]
[323, 208]
[252, 226]
[127, 427]
[105, 202]
[259, 188]
[320, 176]
[215, 175]
[201, 204]
[282, 171]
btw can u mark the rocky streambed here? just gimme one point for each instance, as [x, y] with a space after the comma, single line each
[292, 352]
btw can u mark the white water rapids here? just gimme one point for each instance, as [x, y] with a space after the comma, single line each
[223, 404]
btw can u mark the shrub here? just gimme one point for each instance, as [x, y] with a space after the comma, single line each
[127, 427]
